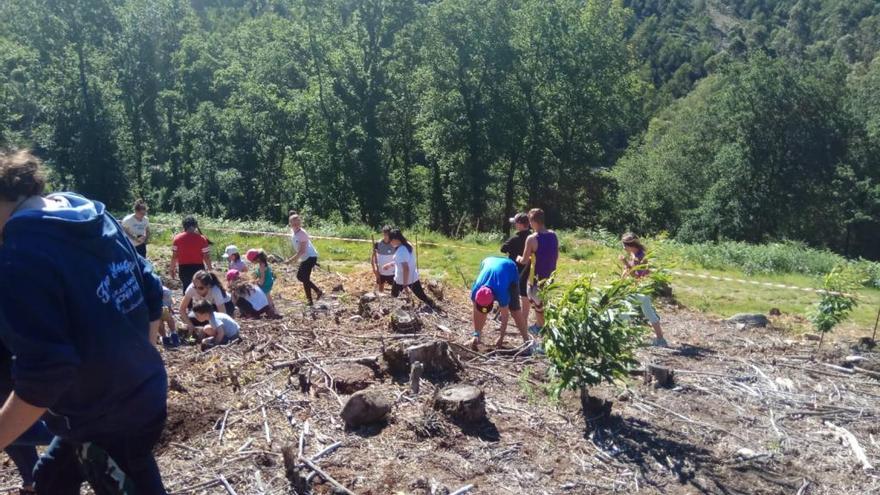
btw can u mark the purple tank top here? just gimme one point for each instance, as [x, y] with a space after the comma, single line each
[546, 255]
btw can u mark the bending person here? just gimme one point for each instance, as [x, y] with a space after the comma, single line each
[498, 281]
[78, 320]
[633, 263]
[406, 272]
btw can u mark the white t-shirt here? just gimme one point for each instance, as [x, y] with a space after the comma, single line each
[300, 237]
[221, 320]
[135, 228]
[214, 296]
[401, 256]
[257, 298]
[384, 254]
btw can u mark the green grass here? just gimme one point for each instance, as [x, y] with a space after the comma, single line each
[584, 253]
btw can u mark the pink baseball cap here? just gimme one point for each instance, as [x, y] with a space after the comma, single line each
[232, 275]
[251, 255]
[484, 298]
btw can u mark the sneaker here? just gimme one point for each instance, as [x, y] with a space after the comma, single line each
[660, 342]
[175, 340]
[166, 342]
[534, 330]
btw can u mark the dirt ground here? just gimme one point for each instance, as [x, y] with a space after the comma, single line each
[751, 411]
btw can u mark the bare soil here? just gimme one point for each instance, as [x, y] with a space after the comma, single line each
[750, 412]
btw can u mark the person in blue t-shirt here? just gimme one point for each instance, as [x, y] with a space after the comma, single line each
[80, 306]
[498, 281]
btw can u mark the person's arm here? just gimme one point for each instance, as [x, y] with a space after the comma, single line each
[16, 417]
[207, 259]
[184, 309]
[154, 330]
[405, 267]
[147, 234]
[504, 314]
[219, 334]
[172, 267]
[505, 248]
[262, 278]
[374, 260]
[531, 246]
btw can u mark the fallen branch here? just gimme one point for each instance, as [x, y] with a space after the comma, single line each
[223, 426]
[266, 427]
[853, 443]
[326, 476]
[463, 490]
[226, 485]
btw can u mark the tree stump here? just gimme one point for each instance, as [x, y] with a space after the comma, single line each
[364, 304]
[435, 356]
[660, 375]
[462, 402]
[436, 289]
[403, 321]
[365, 407]
[348, 378]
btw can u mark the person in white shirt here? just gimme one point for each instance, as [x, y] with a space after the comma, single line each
[383, 254]
[306, 254]
[137, 227]
[406, 272]
[205, 285]
[249, 298]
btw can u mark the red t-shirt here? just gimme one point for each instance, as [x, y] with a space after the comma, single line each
[190, 248]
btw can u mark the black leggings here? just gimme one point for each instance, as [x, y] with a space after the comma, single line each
[246, 309]
[304, 275]
[186, 274]
[416, 288]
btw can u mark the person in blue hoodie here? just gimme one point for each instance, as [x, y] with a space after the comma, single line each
[80, 305]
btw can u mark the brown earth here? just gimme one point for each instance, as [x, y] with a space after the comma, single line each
[750, 412]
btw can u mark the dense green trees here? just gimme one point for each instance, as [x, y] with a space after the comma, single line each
[710, 119]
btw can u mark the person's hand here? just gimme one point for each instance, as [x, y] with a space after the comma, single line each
[621, 257]
[520, 260]
[387, 266]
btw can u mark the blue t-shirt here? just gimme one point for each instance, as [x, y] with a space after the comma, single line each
[498, 274]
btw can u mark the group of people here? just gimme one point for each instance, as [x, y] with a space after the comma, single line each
[517, 290]
[78, 326]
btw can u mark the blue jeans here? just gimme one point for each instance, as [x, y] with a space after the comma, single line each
[67, 464]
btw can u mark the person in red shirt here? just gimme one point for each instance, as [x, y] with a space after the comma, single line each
[190, 252]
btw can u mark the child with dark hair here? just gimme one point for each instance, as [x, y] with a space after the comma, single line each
[406, 273]
[218, 329]
[633, 263]
[205, 285]
[543, 245]
[190, 252]
[78, 320]
[249, 298]
[137, 226]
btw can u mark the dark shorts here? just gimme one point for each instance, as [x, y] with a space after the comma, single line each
[515, 304]
[385, 279]
[141, 250]
[524, 281]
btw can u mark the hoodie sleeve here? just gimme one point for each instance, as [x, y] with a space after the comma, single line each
[152, 289]
[37, 332]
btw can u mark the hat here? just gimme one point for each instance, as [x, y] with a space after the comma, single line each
[484, 298]
[230, 250]
[232, 275]
[521, 218]
[252, 254]
[629, 238]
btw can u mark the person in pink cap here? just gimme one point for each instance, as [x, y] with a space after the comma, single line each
[498, 281]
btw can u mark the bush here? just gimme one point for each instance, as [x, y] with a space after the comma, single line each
[589, 336]
[836, 304]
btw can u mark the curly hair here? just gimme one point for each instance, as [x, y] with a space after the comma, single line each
[21, 175]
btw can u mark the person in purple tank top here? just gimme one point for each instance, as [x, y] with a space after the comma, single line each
[544, 246]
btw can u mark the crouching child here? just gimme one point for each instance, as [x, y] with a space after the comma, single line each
[219, 328]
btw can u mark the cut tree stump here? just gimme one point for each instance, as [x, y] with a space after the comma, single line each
[403, 321]
[660, 375]
[435, 356]
[462, 402]
[365, 407]
[436, 289]
[348, 378]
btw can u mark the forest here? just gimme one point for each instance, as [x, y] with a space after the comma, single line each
[709, 120]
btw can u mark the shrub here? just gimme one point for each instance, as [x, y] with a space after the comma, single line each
[835, 304]
[589, 336]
